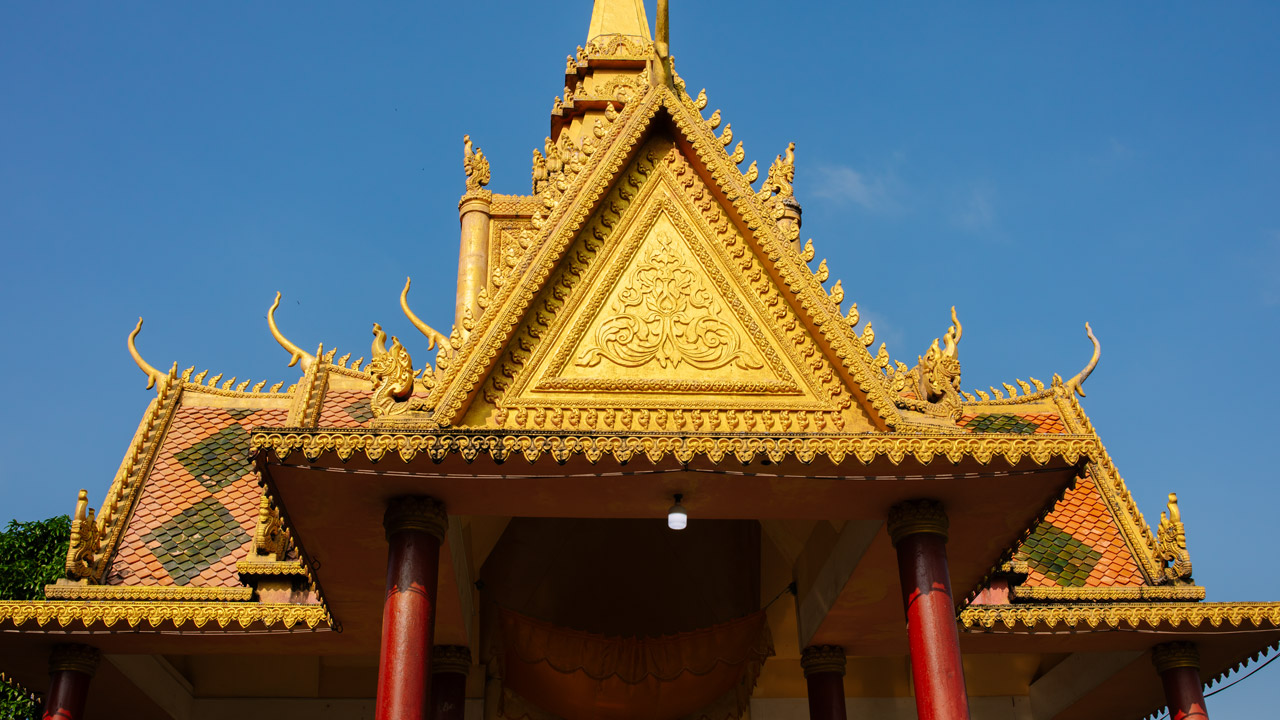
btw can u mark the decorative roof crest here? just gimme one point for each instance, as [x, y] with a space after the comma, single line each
[295, 353]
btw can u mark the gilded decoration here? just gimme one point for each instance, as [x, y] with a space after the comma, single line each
[185, 593]
[1171, 543]
[1121, 616]
[410, 443]
[665, 314]
[392, 372]
[1117, 593]
[549, 242]
[475, 164]
[149, 614]
[416, 513]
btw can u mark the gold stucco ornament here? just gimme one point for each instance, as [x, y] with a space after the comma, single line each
[393, 376]
[475, 164]
[1171, 543]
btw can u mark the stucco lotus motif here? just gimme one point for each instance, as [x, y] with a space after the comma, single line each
[665, 314]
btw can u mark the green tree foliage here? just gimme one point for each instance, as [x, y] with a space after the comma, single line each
[32, 555]
[15, 705]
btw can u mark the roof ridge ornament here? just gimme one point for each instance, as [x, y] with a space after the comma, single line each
[434, 337]
[153, 375]
[1076, 383]
[295, 353]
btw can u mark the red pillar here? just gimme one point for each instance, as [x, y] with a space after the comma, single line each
[449, 667]
[824, 673]
[919, 532]
[71, 668]
[415, 528]
[1179, 666]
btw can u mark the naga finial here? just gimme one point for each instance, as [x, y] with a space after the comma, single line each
[152, 374]
[1075, 384]
[475, 164]
[952, 339]
[295, 353]
[1171, 544]
[434, 337]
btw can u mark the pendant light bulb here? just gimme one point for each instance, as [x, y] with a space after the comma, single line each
[677, 516]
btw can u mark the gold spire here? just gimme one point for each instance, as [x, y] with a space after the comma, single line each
[619, 17]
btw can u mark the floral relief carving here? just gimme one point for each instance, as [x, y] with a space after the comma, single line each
[666, 315]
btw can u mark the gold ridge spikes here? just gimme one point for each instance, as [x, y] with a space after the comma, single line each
[823, 272]
[727, 136]
[837, 294]
[739, 154]
[152, 374]
[808, 253]
[700, 102]
[295, 353]
[753, 172]
[852, 316]
[713, 122]
[434, 337]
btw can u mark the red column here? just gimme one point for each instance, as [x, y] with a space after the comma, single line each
[449, 667]
[415, 528]
[824, 673]
[919, 532]
[1179, 666]
[71, 668]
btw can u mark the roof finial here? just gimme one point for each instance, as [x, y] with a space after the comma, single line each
[1075, 383]
[295, 353]
[619, 17]
[663, 40]
[152, 374]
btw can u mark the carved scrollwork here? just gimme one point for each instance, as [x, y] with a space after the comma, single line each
[664, 314]
[1171, 544]
[392, 371]
[475, 164]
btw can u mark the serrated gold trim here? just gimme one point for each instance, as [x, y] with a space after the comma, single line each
[1149, 593]
[143, 615]
[865, 448]
[266, 567]
[151, 592]
[1117, 616]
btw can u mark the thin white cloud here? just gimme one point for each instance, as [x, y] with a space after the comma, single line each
[846, 185]
[976, 211]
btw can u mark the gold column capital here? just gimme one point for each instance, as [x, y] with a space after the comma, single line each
[1173, 655]
[914, 517]
[74, 657]
[451, 659]
[475, 200]
[416, 512]
[817, 659]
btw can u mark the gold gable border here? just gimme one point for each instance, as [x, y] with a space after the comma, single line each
[566, 219]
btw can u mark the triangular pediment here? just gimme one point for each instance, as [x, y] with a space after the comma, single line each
[650, 300]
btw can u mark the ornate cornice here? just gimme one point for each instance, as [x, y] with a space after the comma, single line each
[450, 659]
[1182, 616]
[145, 615]
[269, 567]
[1174, 655]
[817, 659]
[916, 517]
[409, 443]
[1132, 593]
[182, 593]
[75, 658]
[416, 513]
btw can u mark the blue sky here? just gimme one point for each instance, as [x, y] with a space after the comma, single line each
[1037, 165]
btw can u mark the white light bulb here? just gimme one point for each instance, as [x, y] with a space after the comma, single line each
[677, 516]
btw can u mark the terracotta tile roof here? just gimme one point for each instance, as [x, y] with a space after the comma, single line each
[198, 508]
[1079, 545]
[1023, 423]
[346, 408]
